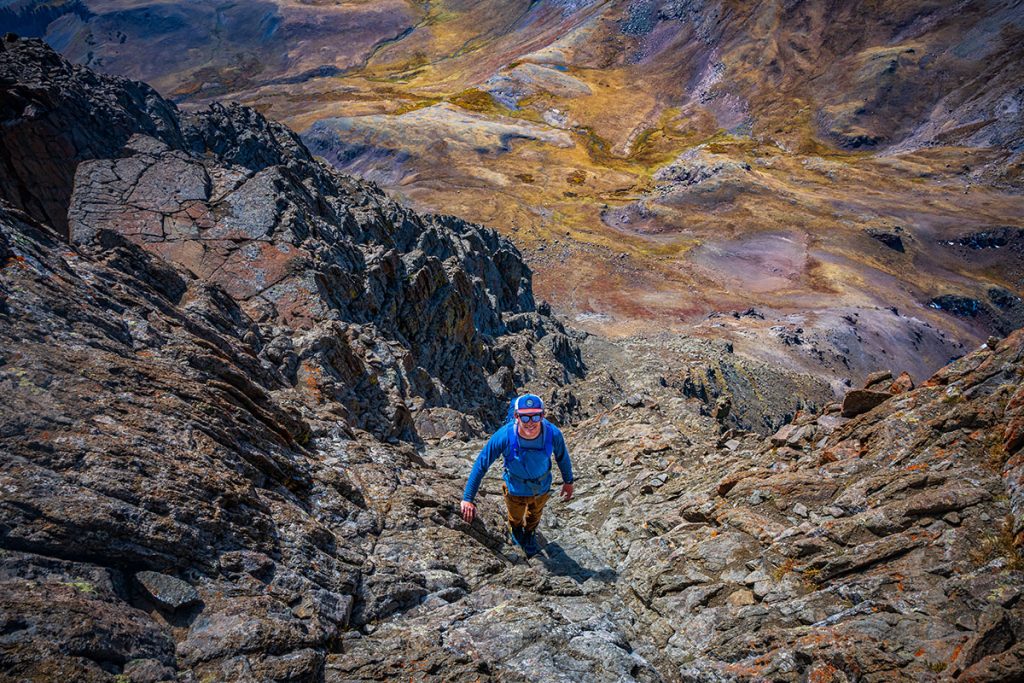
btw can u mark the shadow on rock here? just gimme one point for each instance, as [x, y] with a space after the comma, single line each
[559, 563]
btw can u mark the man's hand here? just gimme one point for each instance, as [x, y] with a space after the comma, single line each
[468, 511]
[567, 492]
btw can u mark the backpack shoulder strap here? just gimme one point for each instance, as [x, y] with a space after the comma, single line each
[549, 438]
[513, 442]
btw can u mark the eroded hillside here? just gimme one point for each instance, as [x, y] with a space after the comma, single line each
[836, 167]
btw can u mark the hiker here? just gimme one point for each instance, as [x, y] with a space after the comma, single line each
[526, 442]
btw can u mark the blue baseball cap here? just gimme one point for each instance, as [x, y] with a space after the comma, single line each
[529, 404]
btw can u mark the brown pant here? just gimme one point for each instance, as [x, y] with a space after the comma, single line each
[525, 510]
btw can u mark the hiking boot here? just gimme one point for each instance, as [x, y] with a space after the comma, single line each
[518, 533]
[530, 545]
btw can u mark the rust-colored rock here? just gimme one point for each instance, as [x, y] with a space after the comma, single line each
[902, 383]
[848, 448]
[1013, 434]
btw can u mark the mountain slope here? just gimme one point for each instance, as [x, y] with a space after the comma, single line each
[165, 421]
[659, 162]
[879, 548]
[203, 476]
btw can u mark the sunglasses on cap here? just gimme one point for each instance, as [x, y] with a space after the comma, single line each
[531, 418]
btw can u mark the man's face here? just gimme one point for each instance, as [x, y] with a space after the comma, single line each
[527, 428]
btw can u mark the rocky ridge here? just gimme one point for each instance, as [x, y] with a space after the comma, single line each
[389, 321]
[875, 548]
[192, 378]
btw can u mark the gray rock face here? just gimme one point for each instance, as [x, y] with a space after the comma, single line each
[699, 166]
[173, 407]
[865, 556]
[61, 619]
[167, 591]
[45, 102]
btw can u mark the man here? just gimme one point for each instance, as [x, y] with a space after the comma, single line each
[526, 444]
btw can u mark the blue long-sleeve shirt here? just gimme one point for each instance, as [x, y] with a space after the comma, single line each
[530, 473]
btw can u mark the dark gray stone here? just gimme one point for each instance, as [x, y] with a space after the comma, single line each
[167, 591]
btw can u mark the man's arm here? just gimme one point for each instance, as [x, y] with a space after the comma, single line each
[488, 455]
[561, 454]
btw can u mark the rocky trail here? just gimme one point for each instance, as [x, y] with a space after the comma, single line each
[240, 394]
[875, 548]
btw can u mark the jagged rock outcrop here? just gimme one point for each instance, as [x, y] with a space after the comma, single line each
[364, 308]
[878, 388]
[56, 114]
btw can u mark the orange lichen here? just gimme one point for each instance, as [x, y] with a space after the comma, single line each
[822, 673]
[311, 376]
[783, 569]
[17, 260]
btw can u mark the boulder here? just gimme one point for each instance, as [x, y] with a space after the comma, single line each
[829, 422]
[166, 591]
[792, 435]
[901, 384]
[147, 671]
[876, 378]
[433, 423]
[859, 401]
[1005, 666]
[741, 598]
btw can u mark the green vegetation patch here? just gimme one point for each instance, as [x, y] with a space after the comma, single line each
[82, 587]
[1000, 544]
[480, 101]
[413, 105]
